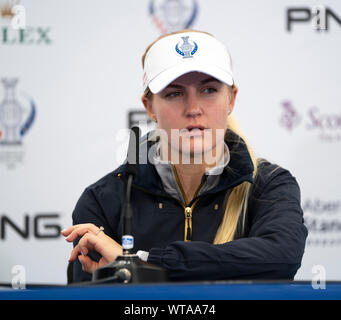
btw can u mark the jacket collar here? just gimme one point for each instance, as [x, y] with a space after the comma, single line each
[239, 169]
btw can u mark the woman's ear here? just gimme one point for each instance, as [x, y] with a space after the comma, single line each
[233, 95]
[149, 108]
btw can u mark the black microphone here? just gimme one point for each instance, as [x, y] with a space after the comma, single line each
[128, 268]
[133, 151]
[131, 171]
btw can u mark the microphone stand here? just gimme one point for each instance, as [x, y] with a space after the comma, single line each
[128, 267]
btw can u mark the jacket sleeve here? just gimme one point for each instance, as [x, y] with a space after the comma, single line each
[273, 248]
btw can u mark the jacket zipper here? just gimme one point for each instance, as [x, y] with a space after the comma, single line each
[188, 210]
[188, 220]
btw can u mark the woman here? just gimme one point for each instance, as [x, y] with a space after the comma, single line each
[204, 208]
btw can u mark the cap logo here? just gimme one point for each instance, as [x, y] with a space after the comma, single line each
[187, 49]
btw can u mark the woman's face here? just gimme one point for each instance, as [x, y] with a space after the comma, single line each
[193, 110]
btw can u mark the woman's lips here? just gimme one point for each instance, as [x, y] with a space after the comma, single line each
[192, 131]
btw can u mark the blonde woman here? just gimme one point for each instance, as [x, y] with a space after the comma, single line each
[204, 207]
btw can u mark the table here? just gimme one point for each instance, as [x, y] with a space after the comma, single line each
[222, 290]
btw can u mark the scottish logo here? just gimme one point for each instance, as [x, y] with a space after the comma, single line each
[17, 114]
[290, 117]
[186, 49]
[325, 124]
[173, 15]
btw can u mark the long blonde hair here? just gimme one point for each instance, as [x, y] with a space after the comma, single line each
[236, 205]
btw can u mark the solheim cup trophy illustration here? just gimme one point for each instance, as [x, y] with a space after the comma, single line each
[11, 114]
[17, 113]
[173, 15]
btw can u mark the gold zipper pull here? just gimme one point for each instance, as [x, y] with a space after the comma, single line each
[188, 223]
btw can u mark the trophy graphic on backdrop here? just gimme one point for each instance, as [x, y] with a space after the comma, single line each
[173, 15]
[17, 114]
[11, 114]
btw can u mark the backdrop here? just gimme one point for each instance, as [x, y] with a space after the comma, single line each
[71, 82]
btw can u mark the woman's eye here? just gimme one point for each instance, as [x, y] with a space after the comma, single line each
[173, 94]
[209, 90]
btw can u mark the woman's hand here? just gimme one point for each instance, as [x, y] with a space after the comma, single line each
[92, 238]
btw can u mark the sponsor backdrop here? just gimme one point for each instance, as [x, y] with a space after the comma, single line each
[71, 82]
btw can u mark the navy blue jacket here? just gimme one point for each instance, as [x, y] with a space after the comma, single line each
[271, 245]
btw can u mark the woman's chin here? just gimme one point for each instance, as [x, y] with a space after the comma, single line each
[195, 154]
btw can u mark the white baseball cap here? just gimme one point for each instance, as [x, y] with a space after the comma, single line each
[177, 54]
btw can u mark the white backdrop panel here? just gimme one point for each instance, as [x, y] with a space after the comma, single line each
[87, 76]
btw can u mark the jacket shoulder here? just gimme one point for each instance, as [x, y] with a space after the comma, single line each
[265, 167]
[99, 197]
[270, 175]
[110, 180]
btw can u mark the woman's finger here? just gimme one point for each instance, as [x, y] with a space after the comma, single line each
[88, 265]
[83, 246]
[76, 251]
[65, 232]
[79, 230]
[86, 243]
[90, 242]
[69, 230]
[108, 248]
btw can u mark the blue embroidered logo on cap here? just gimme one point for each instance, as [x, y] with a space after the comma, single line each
[187, 49]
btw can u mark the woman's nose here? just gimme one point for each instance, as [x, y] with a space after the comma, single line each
[193, 108]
